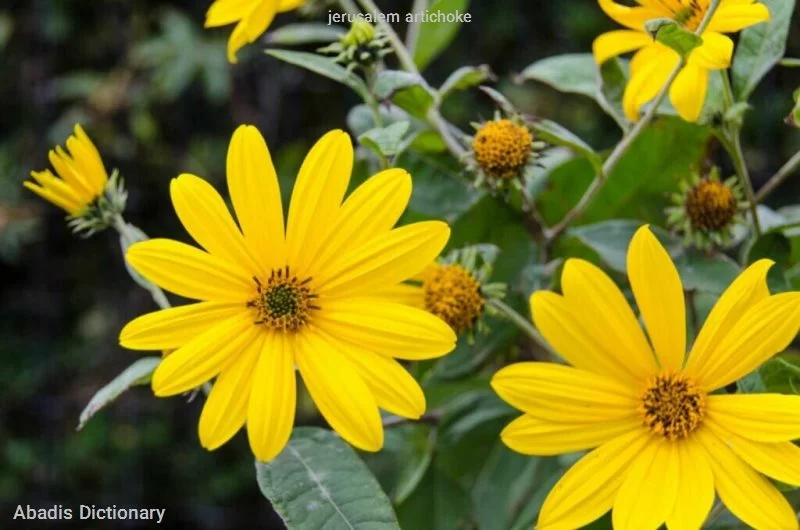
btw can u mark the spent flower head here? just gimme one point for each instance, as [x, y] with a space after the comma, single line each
[707, 209]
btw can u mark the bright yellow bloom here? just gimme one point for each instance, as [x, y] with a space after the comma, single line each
[664, 441]
[82, 175]
[252, 18]
[304, 297]
[653, 62]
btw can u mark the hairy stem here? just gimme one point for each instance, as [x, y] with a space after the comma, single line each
[348, 6]
[778, 178]
[129, 235]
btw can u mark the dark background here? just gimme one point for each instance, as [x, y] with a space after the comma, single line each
[154, 91]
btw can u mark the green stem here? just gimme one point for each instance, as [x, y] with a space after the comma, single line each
[521, 322]
[129, 235]
[622, 148]
[433, 116]
[776, 180]
[413, 29]
[348, 6]
[733, 144]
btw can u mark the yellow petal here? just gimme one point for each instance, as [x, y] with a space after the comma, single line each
[780, 460]
[387, 328]
[202, 358]
[688, 92]
[190, 272]
[251, 26]
[643, 503]
[561, 323]
[339, 392]
[608, 317]
[531, 436]
[403, 293]
[749, 288]
[65, 203]
[760, 417]
[731, 17]
[715, 53]
[317, 196]
[370, 211]
[587, 489]
[204, 215]
[765, 329]
[273, 398]
[87, 159]
[256, 197]
[659, 295]
[748, 495]
[696, 491]
[650, 69]
[64, 166]
[171, 328]
[613, 43]
[289, 5]
[563, 394]
[225, 410]
[384, 260]
[631, 17]
[393, 388]
[56, 185]
[224, 12]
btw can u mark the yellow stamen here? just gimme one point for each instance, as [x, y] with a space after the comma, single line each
[672, 406]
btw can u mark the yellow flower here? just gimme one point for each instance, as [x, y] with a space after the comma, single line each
[653, 62]
[664, 441]
[304, 297]
[252, 18]
[83, 176]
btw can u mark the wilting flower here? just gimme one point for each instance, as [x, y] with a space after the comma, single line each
[304, 297]
[665, 439]
[82, 187]
[653, 62]
[81, 179]
[252, 18]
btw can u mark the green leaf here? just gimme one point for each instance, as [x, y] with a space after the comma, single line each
[793, 118]
[553, 133]
[324, 67]
[439, 503]
[760, 47]
[778, 248]
[385, 141]
[435, 37]
[499, 99]
[464, 78]
[670, 33]
[613, 80]
[781, 374]
[706, 273]
[571, 73]
[610, 239]
[319, 482]
[304, 33]
[136, 374]
[409, 91]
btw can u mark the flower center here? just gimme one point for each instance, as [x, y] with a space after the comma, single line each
[454, 295]
[502, 148]
[689, 15]
[672, 406]
[711, 205]
[283, 302]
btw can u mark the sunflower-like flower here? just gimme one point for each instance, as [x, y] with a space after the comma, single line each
[664, 439]
[82, 187]
[252, 18]
[653, 61]
[273, 299]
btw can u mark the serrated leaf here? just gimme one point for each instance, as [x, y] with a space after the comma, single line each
[464, 78]
[136, 374]
[385, 141]
[674, 35]
[556, 134]
[324, 67]
[760, 48]
[610, 239]
[319, 482]
[781, 374]
[408, 91]
[434, 37]
[305, 33]
[570, 73]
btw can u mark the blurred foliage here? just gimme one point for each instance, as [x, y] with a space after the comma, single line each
[159, 98]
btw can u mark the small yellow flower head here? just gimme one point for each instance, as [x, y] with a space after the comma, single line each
[707, 210]
[453, 294]
[502, 148]
[711, 205]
